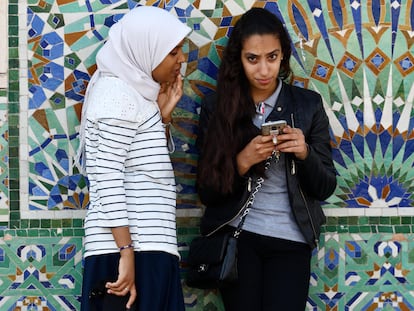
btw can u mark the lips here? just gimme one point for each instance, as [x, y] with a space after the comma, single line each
[264, 81]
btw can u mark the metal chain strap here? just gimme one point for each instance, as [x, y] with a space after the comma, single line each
[250, 200]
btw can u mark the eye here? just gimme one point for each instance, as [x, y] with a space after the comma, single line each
[273, 56]
[175, 51]
[252, 58]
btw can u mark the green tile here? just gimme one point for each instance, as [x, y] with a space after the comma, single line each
[353, 220]
[13, 131]
[79, 232]
[365, 229]
[13, 97]
[14, 195]
[13, 30]
[14, 207]
[21, 232]
[373, 220]
[13, 20]
[14, 183]
[13, 120]
[14, 215]
[13, 9]
[33, 233]
[13, 76]
[14, 162]
[44, 232]
[67, 223]
[14, 63]
[78, 223]
[14, 172]
[385, 220]
[332, 220]
[406, 220]
[402, 229]
[395, 220]
[14, 223]
[343, 229]
[343, 220]
[24, 223]
[13, 53]
[67, 232]
[354, 229]
[385, 229]
[330, 228]
[34, 223]
[13, 107]
[56, 223]
[45, 223]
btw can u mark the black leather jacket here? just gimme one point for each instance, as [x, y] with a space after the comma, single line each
[309, 181]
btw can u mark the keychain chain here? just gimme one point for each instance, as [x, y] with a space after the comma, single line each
[275, 156]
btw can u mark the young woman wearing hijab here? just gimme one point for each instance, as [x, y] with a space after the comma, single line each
[130, 246]
[284, 222]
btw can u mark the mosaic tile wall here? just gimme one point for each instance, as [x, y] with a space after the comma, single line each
[357, 54]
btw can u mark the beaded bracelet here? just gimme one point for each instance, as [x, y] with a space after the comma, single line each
[166, 125]
[131, 245]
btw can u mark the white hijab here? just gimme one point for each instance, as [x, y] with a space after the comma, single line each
[136, 45]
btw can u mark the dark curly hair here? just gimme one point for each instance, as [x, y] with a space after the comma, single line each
[230, 126]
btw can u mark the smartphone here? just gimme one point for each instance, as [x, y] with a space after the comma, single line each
[273, 127]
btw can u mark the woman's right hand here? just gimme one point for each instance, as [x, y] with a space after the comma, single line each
[126, 277]
[257, 150]
[168, 97]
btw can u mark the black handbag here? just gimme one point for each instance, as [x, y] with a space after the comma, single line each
[212, 259]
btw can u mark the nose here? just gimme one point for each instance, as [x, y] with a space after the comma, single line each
[263, 68]
[181, 56]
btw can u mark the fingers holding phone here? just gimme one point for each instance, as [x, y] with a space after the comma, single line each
[257, 150]
[292, 140]
[273, 128]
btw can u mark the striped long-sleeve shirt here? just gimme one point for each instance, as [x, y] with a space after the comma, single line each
[129, 169]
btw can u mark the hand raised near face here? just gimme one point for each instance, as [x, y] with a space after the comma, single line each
[168, 97]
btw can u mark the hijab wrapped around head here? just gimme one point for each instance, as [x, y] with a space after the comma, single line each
[136, 45]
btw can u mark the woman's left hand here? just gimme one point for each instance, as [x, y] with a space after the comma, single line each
[168, 97]
[292, 140]
[126, 277]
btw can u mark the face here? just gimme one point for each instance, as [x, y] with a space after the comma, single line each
[261, 56]
[169, 68]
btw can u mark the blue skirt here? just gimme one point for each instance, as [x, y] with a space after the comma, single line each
[157, 279]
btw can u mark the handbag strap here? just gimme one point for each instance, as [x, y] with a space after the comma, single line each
[250, 200]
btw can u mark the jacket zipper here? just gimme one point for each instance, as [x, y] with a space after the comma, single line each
[293, 172]
[249, 188]
[309, 215]
[293, 166]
